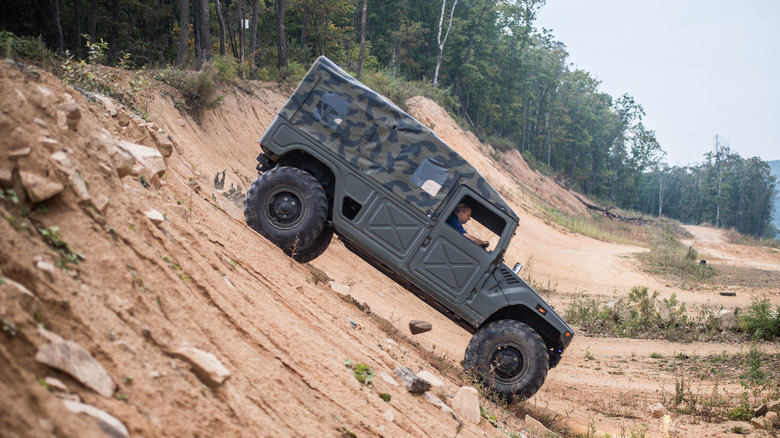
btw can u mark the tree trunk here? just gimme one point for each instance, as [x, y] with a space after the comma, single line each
[253, 38]
[204, 35]
[114, 32]
[442, 41]
[240, 6]
[221, 21]
[281, 41]
[93, 13]
[58, 28]
[184, 33]
[362, 39]
[77, 13]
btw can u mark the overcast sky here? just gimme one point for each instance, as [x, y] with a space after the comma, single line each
[698, 67]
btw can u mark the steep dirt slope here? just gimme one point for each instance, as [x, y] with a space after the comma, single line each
[141, 290]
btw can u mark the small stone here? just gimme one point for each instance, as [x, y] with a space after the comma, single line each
[388, 378]
[6, 172]
[73, 359]
[728, 293]
[353, 323]
[155, 216]
[19, 153]
[182, 122]
[40, 122]
[417, 327]
[205, 365]
[772, 415]
[46, 141]
[612, 303]
[411, 382]
[725, 319]
[69, 115]
[760, 411]
[341, 289]
[55, 384]
[63, 163]
[149, 157]
[433, 380]
[107, 103]
[46, 267]
[39, 188]
[389, 415]
[466, 404]
[657, 410]
[436, 401]
[761, 423]
[101, 204]
[108, 423]
[536, 426]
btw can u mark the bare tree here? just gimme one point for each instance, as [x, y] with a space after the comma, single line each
[253, 30]
[442, 41]
[184, 33]
[362, 39]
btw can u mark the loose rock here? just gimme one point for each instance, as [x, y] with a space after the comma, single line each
[39, 188]
[466, 404]
[389, 415]
[108, 423]
[55, 384]
[411, 382]
[155, 216]
[205, 365]
[69, 115]
[63, 163]
[178, 210]
[657, 410]
[73, 359]
[149, 157]
[535, 425]
[433, 380]
[436, 401]
[761, 423]
[417, 327]
[725, 319]
[388, 378]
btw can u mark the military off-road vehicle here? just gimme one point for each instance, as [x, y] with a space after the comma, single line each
[341, 158]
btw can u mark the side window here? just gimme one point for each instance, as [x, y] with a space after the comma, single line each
[430, 176]
[331, 110]
[482, 222]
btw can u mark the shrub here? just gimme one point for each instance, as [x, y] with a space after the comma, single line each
[759, 321]
[24, 47]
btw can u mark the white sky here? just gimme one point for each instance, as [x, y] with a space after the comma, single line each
[698, 67]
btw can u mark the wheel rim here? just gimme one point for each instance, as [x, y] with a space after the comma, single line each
[285, 209]
[507, 362]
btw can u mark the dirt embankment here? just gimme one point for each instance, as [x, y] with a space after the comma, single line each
[134, 290]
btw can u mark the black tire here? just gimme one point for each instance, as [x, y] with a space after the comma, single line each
[317, 247]
[509, 357]
[288, 207]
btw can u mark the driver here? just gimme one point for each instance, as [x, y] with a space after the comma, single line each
[460, 216]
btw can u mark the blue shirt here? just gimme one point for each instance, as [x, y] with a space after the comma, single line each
[454, 222]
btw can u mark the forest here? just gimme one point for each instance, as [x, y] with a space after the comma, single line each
[503, 78]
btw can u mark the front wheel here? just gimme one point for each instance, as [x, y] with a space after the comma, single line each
[287, 206]
[510, 357]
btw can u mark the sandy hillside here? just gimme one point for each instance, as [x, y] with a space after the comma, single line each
[135, 293]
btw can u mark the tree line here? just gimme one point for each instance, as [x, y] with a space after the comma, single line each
[510, 82]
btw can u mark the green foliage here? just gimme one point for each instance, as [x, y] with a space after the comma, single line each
[640, 315]
[755, 378]
[33, 49]
[200, 89]
[362, 372]
[9, 195]
[671, 258]
[9, 328]
[53, 238]
[759, 321]
[398, 90]
[384, 396]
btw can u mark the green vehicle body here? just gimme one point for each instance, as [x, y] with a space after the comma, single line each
[391, 183]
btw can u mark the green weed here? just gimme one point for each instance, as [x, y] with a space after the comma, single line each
[53, 238]
[759, 321]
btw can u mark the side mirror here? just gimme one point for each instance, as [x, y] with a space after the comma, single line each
[517, 268]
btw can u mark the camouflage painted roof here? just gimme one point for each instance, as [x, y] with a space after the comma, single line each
[376, 136]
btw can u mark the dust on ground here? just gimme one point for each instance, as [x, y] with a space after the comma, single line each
[202, 278]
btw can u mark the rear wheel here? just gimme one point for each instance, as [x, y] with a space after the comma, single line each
[288, 207]
[509, 357]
